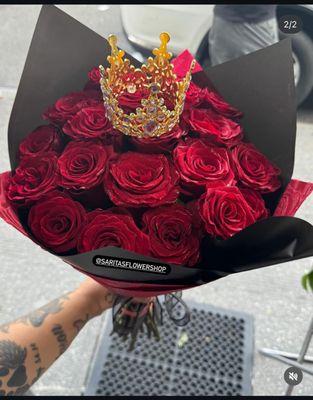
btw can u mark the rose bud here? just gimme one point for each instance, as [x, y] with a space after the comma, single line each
[219, 104]
[112, 228]
[200, 163]
[67, 106]
[172, 234]
[89, 123]
[208, 124]
[256, 202]
[94, 75]
[225, 211]
[94, 79]
[57, 221]
[141, 180]
[161, 144]
[82, 164]
[34, 177]
[254, 170]
[43, 139]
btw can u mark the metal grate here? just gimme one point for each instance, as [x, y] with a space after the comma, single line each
[212, 355]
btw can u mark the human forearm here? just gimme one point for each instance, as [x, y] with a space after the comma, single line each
[29, 345]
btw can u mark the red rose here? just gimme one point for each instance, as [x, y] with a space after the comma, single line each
[82, 164]
[33, 178]
[130, 101]
[67, 106]
[219, 104]
[91, 215]
[256, 202]
[224, 211]
[200, 164]
[194, 96]
[172, 234]
[57, 221]
[89, 123]
[141, 180]
[94, 79]
[112, 228]
[162, 144]
[94, 75]
[8, 210]
[208, 122]
[254, 170]
[43, 139]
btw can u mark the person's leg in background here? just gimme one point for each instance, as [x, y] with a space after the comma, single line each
[229, 40]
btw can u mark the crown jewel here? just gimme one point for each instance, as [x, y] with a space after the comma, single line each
[160, 110]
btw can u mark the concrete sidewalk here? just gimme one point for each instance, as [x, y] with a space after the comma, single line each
[30, 277]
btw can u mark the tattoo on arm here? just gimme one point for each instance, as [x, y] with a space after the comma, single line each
[12, 366]
[37, 317]
[60, 335]
[80, 323]
[35, 349]
[13, 373]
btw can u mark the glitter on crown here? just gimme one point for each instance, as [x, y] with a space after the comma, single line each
[160, 111]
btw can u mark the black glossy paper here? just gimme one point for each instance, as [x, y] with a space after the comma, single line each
[260, 84]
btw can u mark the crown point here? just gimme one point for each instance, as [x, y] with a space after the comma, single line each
[165, 37]
[112, 39]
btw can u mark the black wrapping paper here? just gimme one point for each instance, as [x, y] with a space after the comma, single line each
[260, 84]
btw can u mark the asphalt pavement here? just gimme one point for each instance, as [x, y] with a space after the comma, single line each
[30, 277]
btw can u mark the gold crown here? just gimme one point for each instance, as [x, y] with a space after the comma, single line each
[153, 117]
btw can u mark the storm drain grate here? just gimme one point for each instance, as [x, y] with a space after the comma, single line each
[212, 355]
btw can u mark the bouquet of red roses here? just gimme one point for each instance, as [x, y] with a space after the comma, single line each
[147, 179]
